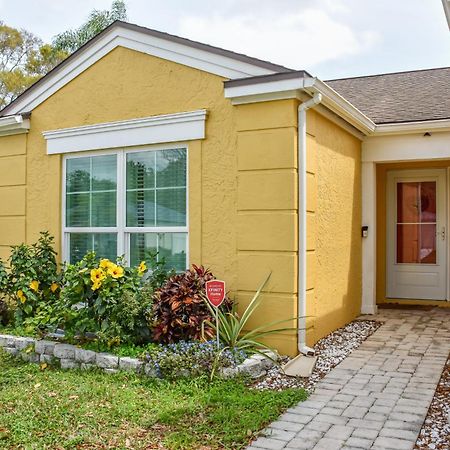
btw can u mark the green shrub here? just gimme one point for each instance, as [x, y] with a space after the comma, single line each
[4, 307]
[109, 299]
[97, 296]
[31, 282]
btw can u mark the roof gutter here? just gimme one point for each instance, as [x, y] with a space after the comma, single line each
[342, 107]
[412, 127]
[15, 124]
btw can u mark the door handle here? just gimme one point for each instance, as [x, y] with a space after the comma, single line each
[443, 233]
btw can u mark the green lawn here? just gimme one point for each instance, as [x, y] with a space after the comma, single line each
[54, 409]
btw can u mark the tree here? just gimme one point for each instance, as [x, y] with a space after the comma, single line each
[71, 40]
[23, 60]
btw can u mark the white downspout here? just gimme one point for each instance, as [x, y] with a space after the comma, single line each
[302, 108]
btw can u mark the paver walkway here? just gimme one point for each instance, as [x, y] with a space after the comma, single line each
[378, 397]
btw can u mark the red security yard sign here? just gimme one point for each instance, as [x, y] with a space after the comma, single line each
[215, 292]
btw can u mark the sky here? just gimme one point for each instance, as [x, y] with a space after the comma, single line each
[328, 38]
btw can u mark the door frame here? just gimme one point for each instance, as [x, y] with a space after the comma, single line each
[391, 237]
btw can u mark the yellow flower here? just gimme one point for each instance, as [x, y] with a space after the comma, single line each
[21, 296]
[142, 267]
[96, 285]
[116, 271]
[34, 285]
[54, 287]
[97, 275]
[106, 263]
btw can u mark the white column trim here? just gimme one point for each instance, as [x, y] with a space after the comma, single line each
[369, 201]
[184, 126]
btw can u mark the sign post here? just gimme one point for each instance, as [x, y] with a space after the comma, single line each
[215, 293]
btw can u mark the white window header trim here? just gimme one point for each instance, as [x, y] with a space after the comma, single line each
[184, 126]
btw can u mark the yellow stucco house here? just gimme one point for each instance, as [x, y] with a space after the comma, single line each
[143, 140]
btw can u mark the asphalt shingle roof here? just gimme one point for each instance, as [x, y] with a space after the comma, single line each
[399, 97]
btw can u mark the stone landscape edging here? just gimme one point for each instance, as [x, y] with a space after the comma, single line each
[68, 356]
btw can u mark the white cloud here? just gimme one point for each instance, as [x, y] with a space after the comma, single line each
[296, 39]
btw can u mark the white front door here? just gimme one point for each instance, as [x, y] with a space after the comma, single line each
[416, 234]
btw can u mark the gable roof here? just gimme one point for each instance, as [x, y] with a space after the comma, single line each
[413, 96]
[205, 57]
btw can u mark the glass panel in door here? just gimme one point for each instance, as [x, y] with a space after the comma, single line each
[416, 222]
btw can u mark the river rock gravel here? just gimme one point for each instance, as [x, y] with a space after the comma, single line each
[331, 350]
[435, 433]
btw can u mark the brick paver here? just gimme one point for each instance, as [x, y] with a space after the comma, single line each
[378, 397]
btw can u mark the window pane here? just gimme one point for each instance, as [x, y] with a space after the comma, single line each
[91, 191]
[165, 169]
[141, 246]
[104, 245]
[78, 177]
[171, 246]
[171, 168]
[171, 207]
[428, 201]
[141, 170]
[103, 209]
[77, 210]
[141, 208]
[104, 173]
[416, 244]
[416, 202]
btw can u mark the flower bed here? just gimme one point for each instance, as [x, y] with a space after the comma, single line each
[144, 318]
[171, 361]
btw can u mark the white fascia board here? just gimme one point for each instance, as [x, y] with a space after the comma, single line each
[342, 107]
[220, 65]
[165, 128]
[14, 125]
[413, 127]
[406, 147]
[291, 88]
[263, 91]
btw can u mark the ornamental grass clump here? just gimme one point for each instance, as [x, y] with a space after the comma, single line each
[234, 332]
[188, 359]
[180, 312]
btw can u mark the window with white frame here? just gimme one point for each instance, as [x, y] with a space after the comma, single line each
[127, 202]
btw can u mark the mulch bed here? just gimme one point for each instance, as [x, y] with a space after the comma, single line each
[435, 433]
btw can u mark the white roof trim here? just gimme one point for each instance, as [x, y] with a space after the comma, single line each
[250, 93]
[224, 66]
[342, 107]
[291, 88]
[13, 125]
[413, 127]
[177, 127]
